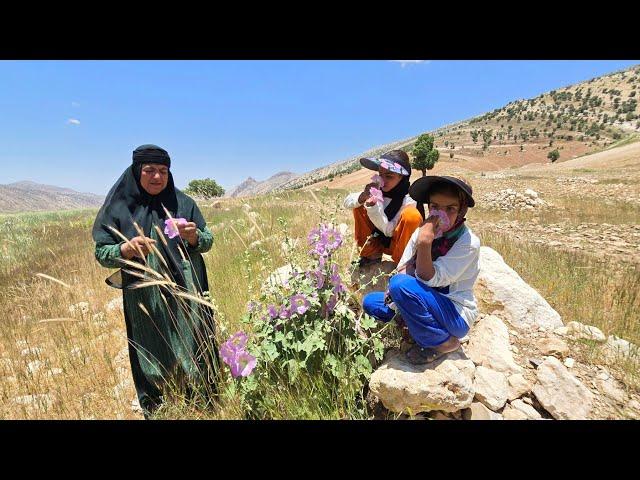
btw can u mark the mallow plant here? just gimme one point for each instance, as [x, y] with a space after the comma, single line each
[307, 328]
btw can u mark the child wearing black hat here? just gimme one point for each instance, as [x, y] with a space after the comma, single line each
[433, 291]
[385, 215]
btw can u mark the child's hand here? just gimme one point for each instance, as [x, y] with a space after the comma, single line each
[428, 231]
[366, 193]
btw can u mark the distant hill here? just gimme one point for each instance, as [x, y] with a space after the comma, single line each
[577, 120]
[253, 187]
[31, 196]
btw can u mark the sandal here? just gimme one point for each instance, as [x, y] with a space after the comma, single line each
[420, 356]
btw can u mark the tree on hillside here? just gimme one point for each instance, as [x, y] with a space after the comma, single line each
[206, 188]
[425, 155]
[553, 155]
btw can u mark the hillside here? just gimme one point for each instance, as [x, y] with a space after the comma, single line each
[253, 187]
[577, 120]
[31, 196]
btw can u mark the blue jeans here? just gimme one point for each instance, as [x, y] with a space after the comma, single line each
[430, 316]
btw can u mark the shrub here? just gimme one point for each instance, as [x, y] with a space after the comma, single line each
[206, 188]
[553, 155]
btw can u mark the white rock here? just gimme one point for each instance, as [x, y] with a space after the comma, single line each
[552, 346]
[510, 413]
[531, 193]
[42, 400]
[518, 386]
[528, 410]
[491, 387]
[279, 277]
[569, 362]
[587, 332]
[114, 304]
[34, 366]
[609, 387]
[477, 411]
[34, 351]
[561, 393]
[617, 347]
[499, 284]
[489, 345]
[446, 384]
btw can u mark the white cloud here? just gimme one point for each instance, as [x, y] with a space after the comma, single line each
[73, 121]
[75, 104]
[404, 63]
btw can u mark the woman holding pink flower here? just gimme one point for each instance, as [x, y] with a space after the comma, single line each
[170, 340]
[385, 215]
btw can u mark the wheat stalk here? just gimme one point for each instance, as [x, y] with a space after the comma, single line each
[42, 275]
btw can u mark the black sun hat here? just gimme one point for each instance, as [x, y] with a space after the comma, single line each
[419, 190]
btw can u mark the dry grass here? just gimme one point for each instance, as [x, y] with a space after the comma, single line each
[75, 364]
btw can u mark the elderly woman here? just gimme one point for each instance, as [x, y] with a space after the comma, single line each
[170, 337]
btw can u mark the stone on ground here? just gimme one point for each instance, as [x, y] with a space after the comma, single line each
[561, 393]
[500, 286]
[446, 384]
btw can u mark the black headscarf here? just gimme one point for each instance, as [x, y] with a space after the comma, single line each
[127, 202]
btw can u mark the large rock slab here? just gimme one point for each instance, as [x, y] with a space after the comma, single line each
[491, 388]
[489, 345]
[500, 287]
[446, 384]
[560, 393]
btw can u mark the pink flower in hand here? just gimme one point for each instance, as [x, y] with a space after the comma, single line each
[376, 195]
[444, 223]
[378, 179]
[171, 226]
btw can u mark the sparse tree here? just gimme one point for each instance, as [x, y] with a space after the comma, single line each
[206, 188]
[553, 155]
[425, 155]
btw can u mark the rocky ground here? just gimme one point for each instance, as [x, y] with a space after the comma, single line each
[519, 362]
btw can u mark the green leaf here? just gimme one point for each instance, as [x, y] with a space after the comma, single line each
[367, 322]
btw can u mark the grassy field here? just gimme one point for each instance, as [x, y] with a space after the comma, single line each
[64, 359]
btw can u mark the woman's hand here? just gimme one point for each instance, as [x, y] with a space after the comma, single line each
[136, 246]
[189, 232]
[364, 196]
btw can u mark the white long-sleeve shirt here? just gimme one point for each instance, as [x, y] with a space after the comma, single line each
[376, 212]
[455, 273]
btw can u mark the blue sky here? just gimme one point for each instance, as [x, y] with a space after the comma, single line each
[75, 123]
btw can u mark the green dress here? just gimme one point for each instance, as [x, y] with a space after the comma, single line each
[170, 339]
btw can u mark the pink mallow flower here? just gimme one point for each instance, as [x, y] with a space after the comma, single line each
[378, 179]
[299, 304]
[376, 194]
[233, 353]
[444, 221]
[171, 226]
